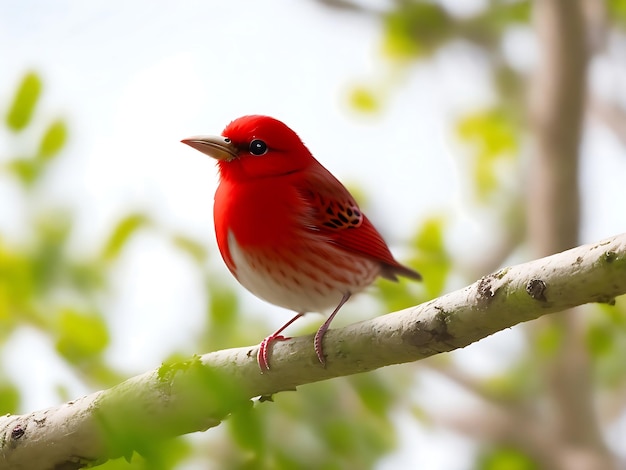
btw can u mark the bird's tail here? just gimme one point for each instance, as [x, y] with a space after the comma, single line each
[392, 271]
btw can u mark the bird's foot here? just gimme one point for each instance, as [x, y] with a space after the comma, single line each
[261, 356]
[317, 344]
[319, 336]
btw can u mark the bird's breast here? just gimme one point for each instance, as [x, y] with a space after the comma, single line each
[265, 234]
[260, 212]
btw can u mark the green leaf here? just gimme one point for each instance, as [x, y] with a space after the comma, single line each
[53, 140]
[491, 130]
[617, 11]
[488, 27]
[615, 314]
[86, 275]
[246, 428]
[80, 335]
[374, 392]
[9, 398]
[223, 304]
[506, 458]
[600, 339]
[493, 135]
[223, 316]
[432, 258]
[53, 230]
[17, 286]
[516, 384]
[125, 228]
[147, 452]
[26, 170]
[364, 100]
[606, 342]
[605, 334]
[432, 261]
[21, 111]
[415, 30]
[190, 246]
[329, 428]
[548, 339]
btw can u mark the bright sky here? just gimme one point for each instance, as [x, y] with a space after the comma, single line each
[133, 78]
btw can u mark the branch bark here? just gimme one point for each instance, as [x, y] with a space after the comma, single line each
[194, 395]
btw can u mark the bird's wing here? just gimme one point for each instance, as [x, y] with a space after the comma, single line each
[336, 215]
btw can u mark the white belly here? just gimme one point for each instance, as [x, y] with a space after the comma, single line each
[302, 281]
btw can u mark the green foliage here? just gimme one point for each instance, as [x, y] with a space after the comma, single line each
[493, 135]
[29, 169]
[80, 335]
[617, 11]
[506, 458]
[547, 340]
[190, 246]
[415, 29]
[516, 384]
[246, 427]
[432, 257]
[155, 455]
[36, 273]
[9, 397]
[17, 286]
[487, 28]
[48, 254]
[122, 233]
[506, 14]
[223, 316]
[24, 102]
[606, 342]
[26, 170]
[375, 392]
[432, 261]
[491, 130]
[321, 426]
[53, 140]
[41, 284]
[364, 99]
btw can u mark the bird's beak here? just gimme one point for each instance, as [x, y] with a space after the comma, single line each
[218, 147]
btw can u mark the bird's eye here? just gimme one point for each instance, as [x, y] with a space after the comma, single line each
[258, 147]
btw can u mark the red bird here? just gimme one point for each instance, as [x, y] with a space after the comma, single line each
[287, 229]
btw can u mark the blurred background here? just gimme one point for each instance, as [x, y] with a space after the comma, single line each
[475, 134]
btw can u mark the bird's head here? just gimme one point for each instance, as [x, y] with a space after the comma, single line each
[254, 147]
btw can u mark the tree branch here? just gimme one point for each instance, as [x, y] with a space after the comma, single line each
[195, 395]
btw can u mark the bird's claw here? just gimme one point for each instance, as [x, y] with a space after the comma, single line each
[317, 344]
[261, 356]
